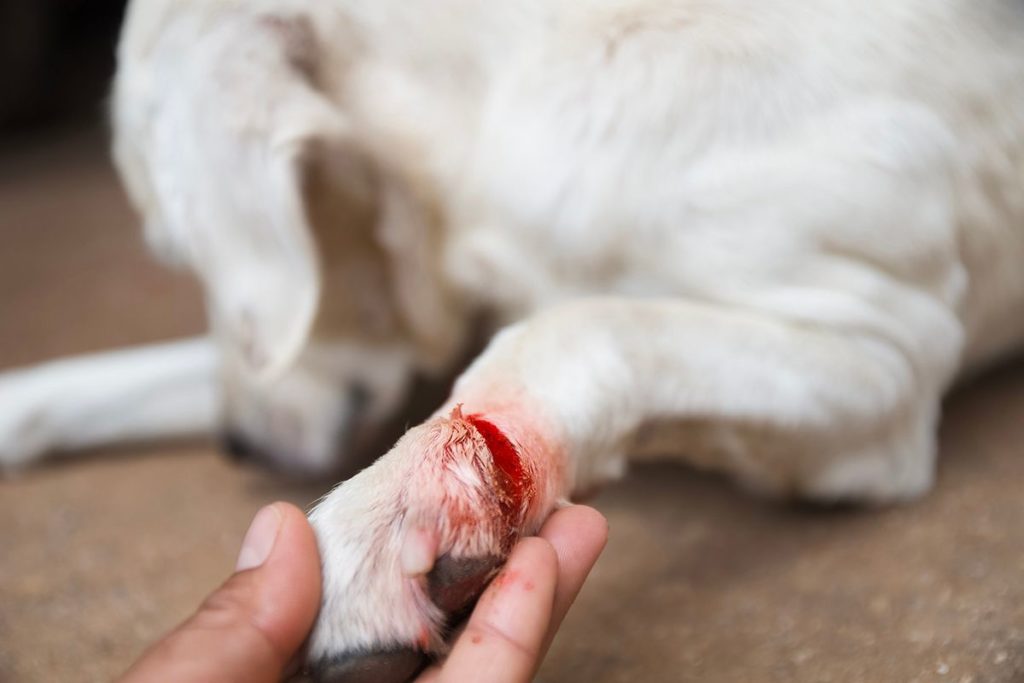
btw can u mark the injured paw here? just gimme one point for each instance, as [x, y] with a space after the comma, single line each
[410, 543]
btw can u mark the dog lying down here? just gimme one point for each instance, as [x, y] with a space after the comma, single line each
[759, 236]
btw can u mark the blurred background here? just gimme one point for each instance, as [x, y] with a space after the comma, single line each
[100, 553]
[56, 57]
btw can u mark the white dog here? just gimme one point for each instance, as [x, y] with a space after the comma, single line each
[760, 236]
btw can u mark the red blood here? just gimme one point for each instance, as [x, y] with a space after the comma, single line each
[512, 476]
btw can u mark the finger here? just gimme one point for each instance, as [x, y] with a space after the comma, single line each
[503, 638]
[252, 625]
[578, 534]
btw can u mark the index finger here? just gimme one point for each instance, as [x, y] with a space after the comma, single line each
[504, 638]
[578, 535]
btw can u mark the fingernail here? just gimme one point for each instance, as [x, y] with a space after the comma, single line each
[259, 539]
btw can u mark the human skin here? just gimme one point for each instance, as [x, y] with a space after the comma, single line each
[253, 626]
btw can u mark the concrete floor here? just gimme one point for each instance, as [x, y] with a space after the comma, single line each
[699, 583]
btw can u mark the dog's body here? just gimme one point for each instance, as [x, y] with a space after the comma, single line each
[762, 237]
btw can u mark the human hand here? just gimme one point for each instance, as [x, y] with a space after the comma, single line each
[253, 626]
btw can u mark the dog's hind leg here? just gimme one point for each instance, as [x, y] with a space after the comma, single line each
[140, 394]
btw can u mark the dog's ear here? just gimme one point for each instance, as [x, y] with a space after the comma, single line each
[265, 282]
[217, 119]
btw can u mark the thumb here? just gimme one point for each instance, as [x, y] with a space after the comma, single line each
[250, 628]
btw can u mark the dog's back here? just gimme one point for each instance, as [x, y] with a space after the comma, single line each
[585, 154]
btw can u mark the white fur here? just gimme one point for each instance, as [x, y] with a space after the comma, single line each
[761, 236]
[163, 391]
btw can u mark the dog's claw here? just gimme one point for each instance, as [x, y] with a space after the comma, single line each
[454, 584]
[385, 666]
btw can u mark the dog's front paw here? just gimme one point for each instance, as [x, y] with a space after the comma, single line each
[409, 544]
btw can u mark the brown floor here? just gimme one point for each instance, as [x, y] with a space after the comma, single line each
[700, 582]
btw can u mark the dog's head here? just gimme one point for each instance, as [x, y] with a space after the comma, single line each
[320, 266]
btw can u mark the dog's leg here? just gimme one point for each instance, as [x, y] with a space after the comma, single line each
[151, 392]
[554, 406]
[787, 408]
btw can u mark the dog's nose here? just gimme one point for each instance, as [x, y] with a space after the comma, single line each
[237, 447]
[358, 398]
[386, 666]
